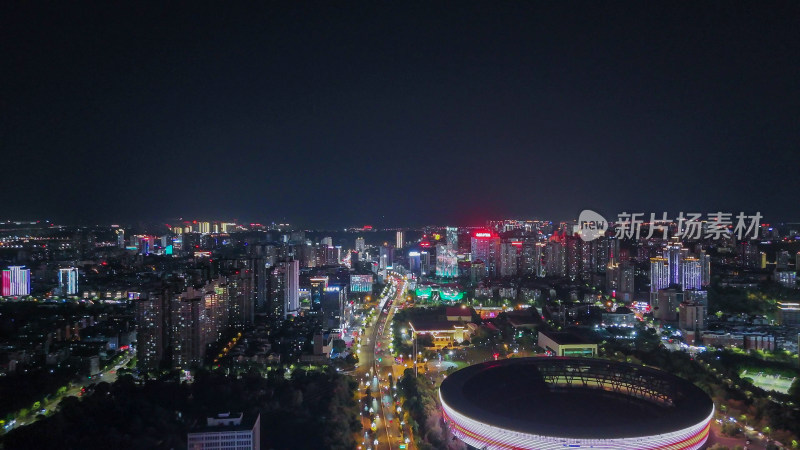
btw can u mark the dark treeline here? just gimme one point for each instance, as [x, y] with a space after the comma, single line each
[314, 409]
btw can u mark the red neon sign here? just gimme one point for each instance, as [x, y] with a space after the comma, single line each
[483, 235]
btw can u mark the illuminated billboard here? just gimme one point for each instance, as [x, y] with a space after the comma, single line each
[360, 283]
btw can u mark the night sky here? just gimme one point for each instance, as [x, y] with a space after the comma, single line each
[397, 114]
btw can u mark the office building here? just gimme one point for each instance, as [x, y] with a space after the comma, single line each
[227, 431]
[424, 262]
[385, 258]
[486, 248]
[399, 242]
[333, 302]
[414, 262]
[317, 293]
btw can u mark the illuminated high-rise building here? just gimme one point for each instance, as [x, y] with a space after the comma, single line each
[68, 281]
[386, 257]
[692, 273]
[574, 257]
[555, 260]
[446, 261]
[327, 241]
[204, 227]
[626, 279]
[16, 281]
[749, 255]
[285, 289]
[414, 262]
[674, 254]
[486, 248]
[705, 266]
[452, 238]
[361, 245]
[424, 262]
[508, 259]
[659, 274]
[120, 237]
[151, 330]
[145, 244]
[318, 286]
[399, 242]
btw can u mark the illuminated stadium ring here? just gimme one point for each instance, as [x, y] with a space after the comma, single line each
[561, 403]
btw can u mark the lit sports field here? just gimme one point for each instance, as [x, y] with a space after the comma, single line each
[767, 382]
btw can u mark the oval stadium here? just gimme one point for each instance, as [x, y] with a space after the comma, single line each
[561, 403]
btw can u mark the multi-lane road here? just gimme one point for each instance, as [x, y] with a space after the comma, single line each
[375, 366]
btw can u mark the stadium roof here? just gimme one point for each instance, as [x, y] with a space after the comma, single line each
[518, 394]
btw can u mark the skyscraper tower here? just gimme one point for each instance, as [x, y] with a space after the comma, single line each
[16, 281]
[292, 288]
[361, 245]
[452, 238]
[486, 247]
[399, 242]
[120, 237]
[659, 274]
[674, 253]
[507, 266]
[705, 265]
[691, 273]
[68, 281]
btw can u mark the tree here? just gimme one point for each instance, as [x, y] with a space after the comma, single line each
[339, 345]
[794, 389]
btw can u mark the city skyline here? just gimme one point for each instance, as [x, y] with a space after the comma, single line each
[400, 225]
[331, 116]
